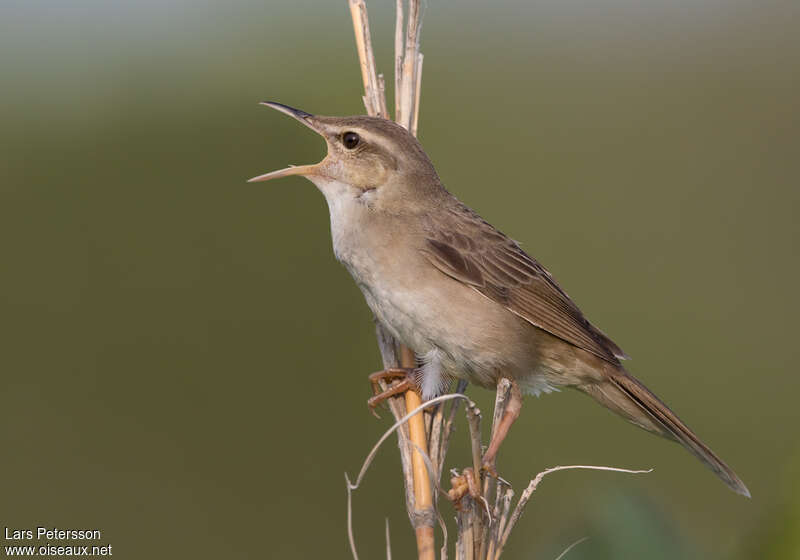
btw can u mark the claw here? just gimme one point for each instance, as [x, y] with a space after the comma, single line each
[463, 484]
[390, 374]
[467, 483]
[489, 468]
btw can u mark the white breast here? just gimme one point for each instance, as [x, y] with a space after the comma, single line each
[344, 209]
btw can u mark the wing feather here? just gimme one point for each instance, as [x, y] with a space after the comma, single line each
[472, 251]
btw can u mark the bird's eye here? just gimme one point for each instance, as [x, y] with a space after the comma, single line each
[350, 140]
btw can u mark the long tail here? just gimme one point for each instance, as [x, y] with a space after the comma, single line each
[626, 396]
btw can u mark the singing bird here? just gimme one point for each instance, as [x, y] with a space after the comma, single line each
[462, 295]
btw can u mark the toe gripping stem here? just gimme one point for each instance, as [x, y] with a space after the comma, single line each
[407, 383]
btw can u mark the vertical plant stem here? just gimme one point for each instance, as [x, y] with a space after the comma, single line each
[372, 100]
[423, 495]
[408, 82]
[398, 60]
[419, 494]
[417, 92]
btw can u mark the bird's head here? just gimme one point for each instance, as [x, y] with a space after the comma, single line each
[369, 158]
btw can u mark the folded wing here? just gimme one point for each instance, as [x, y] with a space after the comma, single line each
[471, 251]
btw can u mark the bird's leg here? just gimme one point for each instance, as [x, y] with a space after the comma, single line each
[510, 414]
[406, 375]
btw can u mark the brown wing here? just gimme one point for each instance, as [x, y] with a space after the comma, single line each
[475, 253]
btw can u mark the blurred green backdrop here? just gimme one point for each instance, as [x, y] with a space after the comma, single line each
[183, 360]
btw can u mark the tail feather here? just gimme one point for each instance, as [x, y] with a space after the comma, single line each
[626, 396]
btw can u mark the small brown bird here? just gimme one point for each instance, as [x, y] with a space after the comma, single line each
[459, 293]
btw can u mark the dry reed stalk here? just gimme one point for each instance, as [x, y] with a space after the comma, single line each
[423, 495]
[372, 101]
[421, 509]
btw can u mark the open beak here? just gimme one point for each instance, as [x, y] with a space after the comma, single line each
[291, 170]
[305, 118]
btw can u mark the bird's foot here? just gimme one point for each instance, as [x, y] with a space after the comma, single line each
[406, 377]
[467, 483]
[489, 467]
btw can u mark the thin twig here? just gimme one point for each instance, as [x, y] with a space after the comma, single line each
[350, 537]
[500, 401]
[428, 416]
[384, 110]
[417, 94]
[388, 542]
[474, 422]
[497, 519]
[443, 527]
[449, 426]
[435, 439]
[491, 529]
[570, 547]
[351, 486]
[526, 495]
[496, 546]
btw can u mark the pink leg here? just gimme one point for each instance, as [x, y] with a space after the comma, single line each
[510, 414]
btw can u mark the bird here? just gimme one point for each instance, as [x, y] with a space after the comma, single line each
[464, 297]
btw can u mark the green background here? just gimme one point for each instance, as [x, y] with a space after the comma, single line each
[183, 360]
